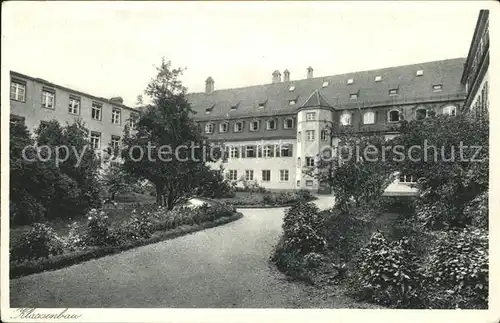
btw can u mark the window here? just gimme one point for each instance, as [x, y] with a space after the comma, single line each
[208, 110]
[286, 151]
[350, 81]
[115, 116]
[299, 135]
[378, 78]
[95, 139]
[262, 105]
[234, 151]
[266, 175]
[369, 118]
[209, 128]
[133, 120]
[291, 88]
[407, 179]
[115, 142]
[271, 124]
[254, 125]
[223, 127]
[268, 151]
[394, 116]
[325, 84]
[420, 72]
[393, 92]
[324, 134]
[353, 96]
[437, 87]
[74, 105]
[17, 91]
[250, 152]
[284, 175]
[292, 102]
[309, 183]
[298, 183]
[288, 124]
[310, 161]
[238, 126]
[310, 116]
[249, 175]
[421, 113]
[234, 107]
[96, 111]
[48, 98]
[450, 110]
[233, 175]
[310, 135]
[345, 119]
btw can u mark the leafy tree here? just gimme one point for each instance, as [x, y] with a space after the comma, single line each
[116, 180]
[173, 141]
[353, 174]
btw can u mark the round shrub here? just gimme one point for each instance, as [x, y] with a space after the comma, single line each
[74, 241]
[40, 241]
[459, 265]
[313, 260]
[98, 231]
[138, 226]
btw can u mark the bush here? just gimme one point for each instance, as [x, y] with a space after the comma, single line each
[477, 210]
[139, 226]
[459, 265]
[268, 199]
[304, 195]
[289, 261]
[98, 231]
[387, 274]
[313, 260]
[74, 241]
[303, 228]
[40, 241]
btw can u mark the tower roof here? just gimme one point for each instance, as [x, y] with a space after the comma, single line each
[316, 99]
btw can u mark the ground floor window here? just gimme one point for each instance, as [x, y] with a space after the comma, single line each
[233, 175]
[249, 175]
[407, 179]
[309, 183]
[284, 175]
[266, 175]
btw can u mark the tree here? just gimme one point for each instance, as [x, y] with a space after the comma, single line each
[167, 147]
[116, 180]
[352, 174]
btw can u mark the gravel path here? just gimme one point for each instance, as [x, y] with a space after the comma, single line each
[226, 266]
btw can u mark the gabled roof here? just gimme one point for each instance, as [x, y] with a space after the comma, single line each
[316, 99]
[411, 88]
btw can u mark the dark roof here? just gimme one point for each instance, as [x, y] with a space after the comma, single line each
[276, 96]
[316, 99]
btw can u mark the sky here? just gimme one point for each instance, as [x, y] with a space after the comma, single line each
[111, 48]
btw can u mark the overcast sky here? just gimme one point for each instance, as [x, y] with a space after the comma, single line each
[110, 49]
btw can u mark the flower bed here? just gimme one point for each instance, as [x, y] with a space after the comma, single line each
[41, 249]
[268, 199]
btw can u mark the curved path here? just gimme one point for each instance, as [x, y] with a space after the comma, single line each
[226, 266]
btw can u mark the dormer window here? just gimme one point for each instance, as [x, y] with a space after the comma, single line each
[291, 88]
[353, 96]
[378, 78]
[325, 84]
[234, 107]
[350, 81]
[437, 87]
[420, 72]
[262, 105]
[238, 126]
[254, 125]
[292, 102]
[393, 92]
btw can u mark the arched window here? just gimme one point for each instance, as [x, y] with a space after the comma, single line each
[288, 123]
[238, 126]
[254, 125]
[271, 124]
[223, 127]
[345, 119]
[369, 118]
[394, 116]
[450, 110]
[209, 128]
[420, 113]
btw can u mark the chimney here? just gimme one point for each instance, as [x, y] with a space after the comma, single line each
[286, 76]
[209, 85]
[117, 99]
[276, 76]
[310, 72]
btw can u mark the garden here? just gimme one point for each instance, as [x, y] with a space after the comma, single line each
[428, 251]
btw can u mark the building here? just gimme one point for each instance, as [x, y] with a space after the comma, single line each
[35, 101]
[275, 130]
[475, 75]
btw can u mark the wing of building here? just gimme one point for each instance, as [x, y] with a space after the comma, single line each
[275, 130]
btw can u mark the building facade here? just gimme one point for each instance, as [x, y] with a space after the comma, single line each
[35, 102]
[275, 131]
[475, 76]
